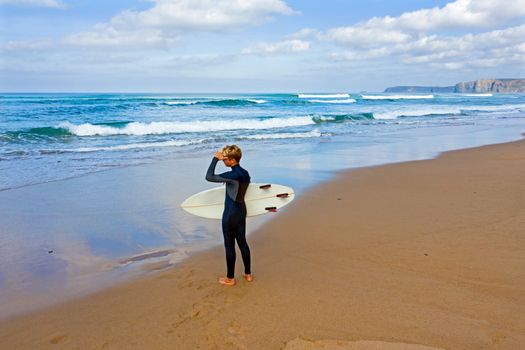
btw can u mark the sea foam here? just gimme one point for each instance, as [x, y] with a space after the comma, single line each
[396, 97]
[323, 95]
[450, 110]
[478, 95]
[141, 145]
[159, 128]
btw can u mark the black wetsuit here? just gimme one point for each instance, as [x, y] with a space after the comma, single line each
[234, 215]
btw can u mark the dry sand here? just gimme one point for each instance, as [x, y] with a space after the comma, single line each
[417, 256]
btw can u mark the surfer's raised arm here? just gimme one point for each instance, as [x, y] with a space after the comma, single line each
[212, 177]
[228, 177]
[210, 174]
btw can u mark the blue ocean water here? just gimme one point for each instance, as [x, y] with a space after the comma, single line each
[48, 137]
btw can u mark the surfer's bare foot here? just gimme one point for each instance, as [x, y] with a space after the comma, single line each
[248, 277]
[227, 281]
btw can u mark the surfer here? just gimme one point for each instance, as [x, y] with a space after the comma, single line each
[234, 215]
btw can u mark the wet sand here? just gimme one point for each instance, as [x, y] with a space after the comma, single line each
[418, 255]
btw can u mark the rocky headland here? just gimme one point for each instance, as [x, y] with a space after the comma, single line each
[476, 86]
[491, 85]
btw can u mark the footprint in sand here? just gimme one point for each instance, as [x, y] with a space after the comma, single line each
[57, 339]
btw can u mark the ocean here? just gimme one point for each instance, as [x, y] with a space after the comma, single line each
[91, 184]
[49, 137]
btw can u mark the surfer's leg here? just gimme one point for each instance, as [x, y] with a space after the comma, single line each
[229, 246]
[243, 246]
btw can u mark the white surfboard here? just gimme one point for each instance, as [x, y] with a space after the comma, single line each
[260, 199]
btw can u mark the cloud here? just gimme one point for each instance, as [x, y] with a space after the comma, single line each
[365, 36]
[286, 46]
[39, 3]
[304, 33]
[458, 14]
[415, 37]
[203, 14]
[169, 18]
[489, 49]
[360, 55]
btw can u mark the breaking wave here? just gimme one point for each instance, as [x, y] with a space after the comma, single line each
[396, 97]
[478, 95]
[323, 95]
[68, 129]
[340, 118]
[160, 128]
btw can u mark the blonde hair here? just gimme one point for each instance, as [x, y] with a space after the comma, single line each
[232, 151]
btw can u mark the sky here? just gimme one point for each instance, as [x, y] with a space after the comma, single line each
[256, 45]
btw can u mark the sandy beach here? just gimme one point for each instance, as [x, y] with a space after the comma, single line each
[418, 255]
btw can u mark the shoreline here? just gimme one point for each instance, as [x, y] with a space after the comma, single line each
[422, 252]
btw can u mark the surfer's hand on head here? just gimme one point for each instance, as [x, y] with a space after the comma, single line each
[219, 155]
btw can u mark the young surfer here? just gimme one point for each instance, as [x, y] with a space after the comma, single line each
[234, 215]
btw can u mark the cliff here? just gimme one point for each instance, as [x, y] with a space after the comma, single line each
[491, 85]
[477, 86]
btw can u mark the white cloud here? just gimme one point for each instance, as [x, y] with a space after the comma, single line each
[203, 14]
[286, 46]
[457, 14]
[168, 18]
[304, 33]
[489, 49]
[366, 36]
[39, 3]
[360, 55]
[415, 38]
[460, 13]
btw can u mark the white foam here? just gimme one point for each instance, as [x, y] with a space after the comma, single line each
[504, 108]
[451, 110]
[159, 128]
[396, 97]
[348, 100]
[257, 101]
[393, 114]
[324, 118]
[477, 95]
[287, 135]
[171, 143]
[323, 95]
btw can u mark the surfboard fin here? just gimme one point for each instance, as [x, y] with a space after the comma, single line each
[263, 187]
[282, 195]
[271, 209]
